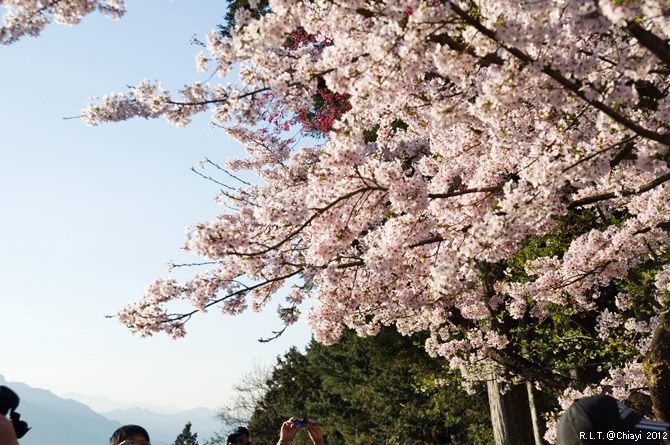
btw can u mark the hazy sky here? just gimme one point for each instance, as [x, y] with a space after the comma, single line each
[90, 215]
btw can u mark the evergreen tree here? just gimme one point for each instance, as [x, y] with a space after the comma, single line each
[186, 437]
[293, 389]
[382, 390]
[401, 395]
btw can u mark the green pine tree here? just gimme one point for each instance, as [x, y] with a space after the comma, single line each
[376, 390]
[186, 437]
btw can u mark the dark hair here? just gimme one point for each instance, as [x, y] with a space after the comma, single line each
[234, 439]
[125, 432]
[241, 430]
[9, 401]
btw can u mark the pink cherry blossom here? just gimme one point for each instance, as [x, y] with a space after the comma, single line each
[448, 141]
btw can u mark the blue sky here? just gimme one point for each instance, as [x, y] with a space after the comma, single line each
[90, 215]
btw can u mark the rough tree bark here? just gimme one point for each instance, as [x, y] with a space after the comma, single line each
[535, 405]
[657, 369]
[510, 414]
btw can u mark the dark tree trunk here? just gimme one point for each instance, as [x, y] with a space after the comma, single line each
[536, 407]
[510, 414]
[657, 369]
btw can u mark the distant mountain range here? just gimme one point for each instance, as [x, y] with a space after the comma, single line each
[63, 421]
[102, 404]
[166, 427]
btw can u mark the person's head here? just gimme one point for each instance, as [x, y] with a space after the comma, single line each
[602, 419]
[130, 435]
[242, 431]
[234, 439]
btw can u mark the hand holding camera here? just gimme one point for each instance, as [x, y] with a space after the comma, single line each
[300, 422]
[291, 427]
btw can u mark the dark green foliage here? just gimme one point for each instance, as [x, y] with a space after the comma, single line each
[566, 342]
[371, 134]
[375, 390]
[291, 390]
[227, 27]
[186, 437]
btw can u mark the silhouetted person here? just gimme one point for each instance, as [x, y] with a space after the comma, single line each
[234, 439]
[12, 428]
[603, 420]
[244, 433]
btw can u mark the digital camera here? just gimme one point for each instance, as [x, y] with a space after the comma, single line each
[301, 422]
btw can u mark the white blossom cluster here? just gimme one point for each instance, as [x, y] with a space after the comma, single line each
[29, 17]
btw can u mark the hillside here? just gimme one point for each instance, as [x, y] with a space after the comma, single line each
[60, 421]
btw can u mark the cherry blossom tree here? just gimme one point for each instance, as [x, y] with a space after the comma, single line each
[492, 172]
[29, 17]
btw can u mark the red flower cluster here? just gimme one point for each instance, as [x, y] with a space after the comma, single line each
[327, 107]
[299, 38]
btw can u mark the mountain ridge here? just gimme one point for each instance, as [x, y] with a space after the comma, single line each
[102, 404]
[56, 420]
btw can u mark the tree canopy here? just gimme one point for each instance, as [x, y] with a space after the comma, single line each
[494, 173]
[187, 437]
[382, 389]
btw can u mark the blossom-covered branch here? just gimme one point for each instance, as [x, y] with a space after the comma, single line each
[499, 163]
[29, 17]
